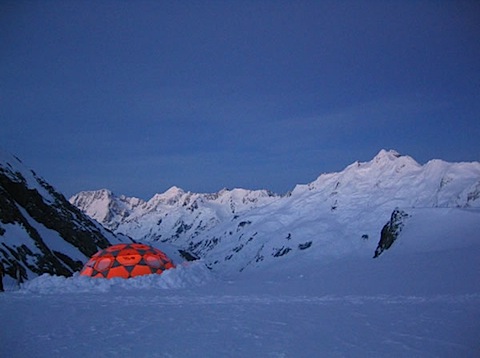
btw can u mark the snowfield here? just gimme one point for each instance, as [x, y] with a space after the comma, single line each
[420, 298]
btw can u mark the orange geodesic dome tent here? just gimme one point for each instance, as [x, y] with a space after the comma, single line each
[127, 260]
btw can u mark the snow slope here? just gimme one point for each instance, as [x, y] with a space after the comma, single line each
[420, 298]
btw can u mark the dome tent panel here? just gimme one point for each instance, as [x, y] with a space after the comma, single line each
[140, 270]
[119, 271]
[87, 271]
[153, 261]
[129, 257]
[103, 263]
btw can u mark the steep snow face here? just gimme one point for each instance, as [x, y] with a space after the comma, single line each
[40, 231]
[336, 214]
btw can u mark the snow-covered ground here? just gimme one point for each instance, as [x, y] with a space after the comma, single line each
[421, 298]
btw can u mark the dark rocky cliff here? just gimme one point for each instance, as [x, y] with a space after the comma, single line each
[390, 231]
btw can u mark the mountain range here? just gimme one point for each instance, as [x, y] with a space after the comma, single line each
[359, 210]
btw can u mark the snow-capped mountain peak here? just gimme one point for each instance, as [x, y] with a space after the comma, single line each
[386, 166]
[390, 154]
[386, 158]
[171, 196]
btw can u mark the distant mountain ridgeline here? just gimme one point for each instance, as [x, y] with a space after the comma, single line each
[337, 214]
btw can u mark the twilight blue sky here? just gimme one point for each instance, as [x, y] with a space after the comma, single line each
[137, 96]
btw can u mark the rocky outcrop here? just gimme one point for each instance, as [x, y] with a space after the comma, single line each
[390, 231]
